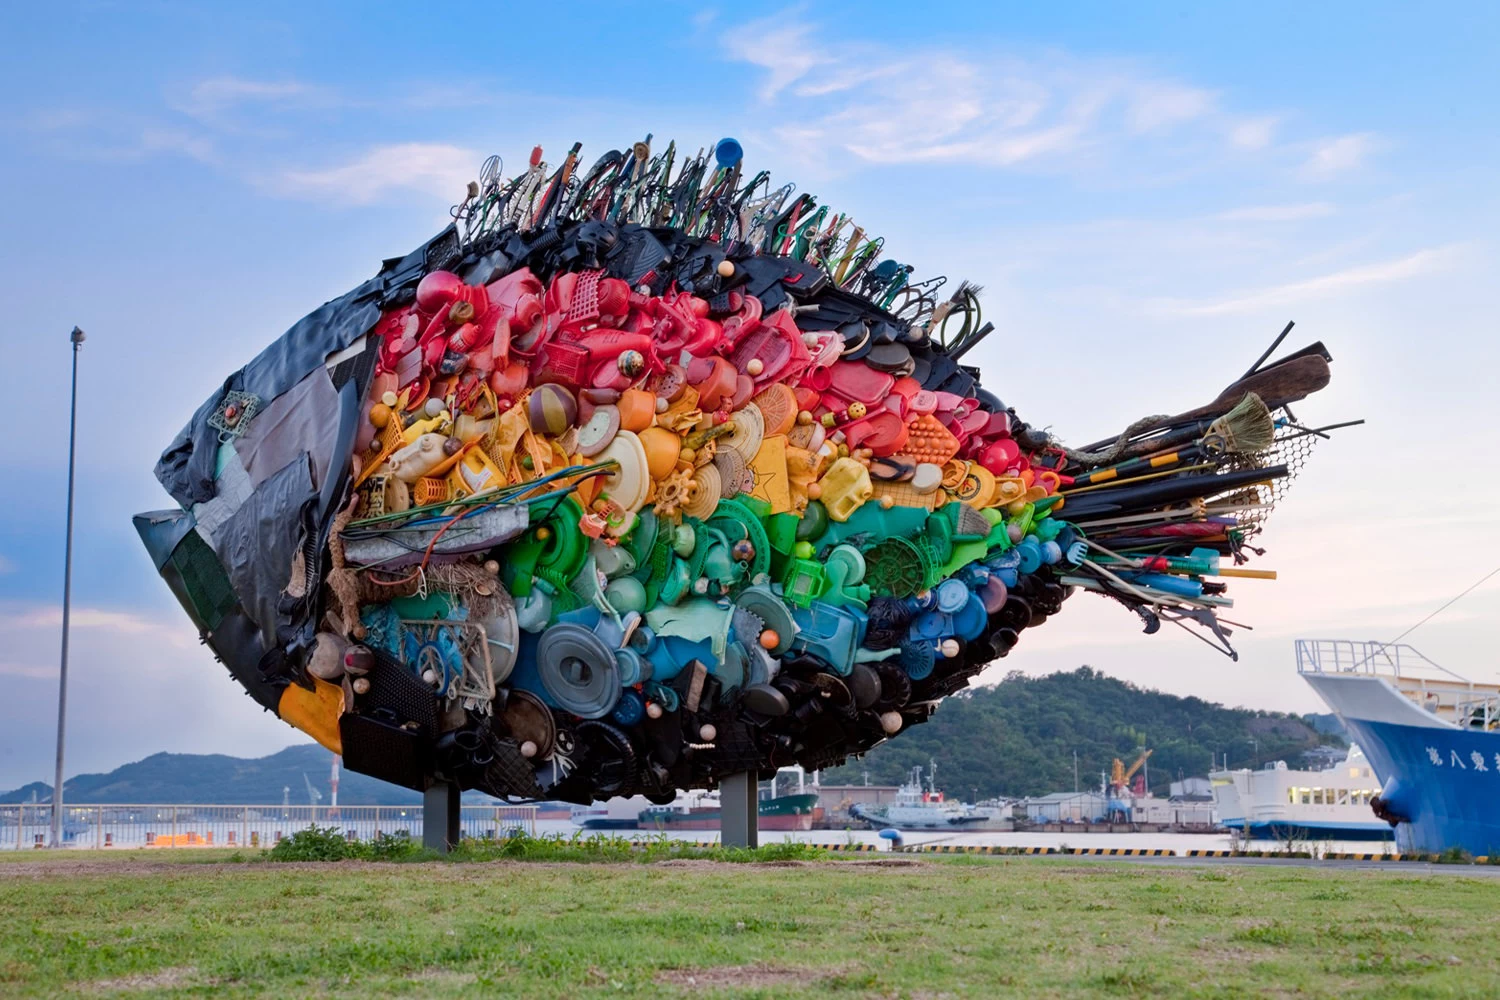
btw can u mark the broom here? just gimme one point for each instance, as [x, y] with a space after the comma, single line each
[1244, 430]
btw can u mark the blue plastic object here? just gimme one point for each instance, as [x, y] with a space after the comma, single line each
[630, 709]
[829, 633]
[728, 152]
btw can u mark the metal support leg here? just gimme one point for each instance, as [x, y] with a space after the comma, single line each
[740, 826]
[440, 817]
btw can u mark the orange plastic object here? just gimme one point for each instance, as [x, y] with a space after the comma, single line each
[929, 441]
[431, 490]
[662, 448]
[637, 410]
[903, 495]
[778, 404]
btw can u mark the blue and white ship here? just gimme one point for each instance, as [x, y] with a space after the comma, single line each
[1431, 736]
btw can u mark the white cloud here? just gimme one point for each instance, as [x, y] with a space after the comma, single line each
[169, 140]
[1334, 156]
[782, 47]
[436, 168]
[1410, 266]
[887, 103]
[28, 671]
[1253, 133]
[1158, 106]
[1278, 213]
[210, 98]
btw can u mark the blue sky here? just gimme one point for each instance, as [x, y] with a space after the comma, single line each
[1147, 194]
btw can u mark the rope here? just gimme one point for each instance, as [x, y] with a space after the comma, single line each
[1108, 455]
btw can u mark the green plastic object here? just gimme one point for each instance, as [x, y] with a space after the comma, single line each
[803, 582]
[843, 572]
[737, 520]
[894, 567]
[434, 606]
[814, 522]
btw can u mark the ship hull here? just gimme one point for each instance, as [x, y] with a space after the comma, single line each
[1441, 782]
[787, 813]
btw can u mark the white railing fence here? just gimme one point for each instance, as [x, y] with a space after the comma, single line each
[29, 825]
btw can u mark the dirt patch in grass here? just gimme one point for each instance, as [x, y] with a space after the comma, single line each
[749, 977]
[161, 979]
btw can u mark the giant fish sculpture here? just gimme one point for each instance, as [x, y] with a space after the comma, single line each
[633, 479]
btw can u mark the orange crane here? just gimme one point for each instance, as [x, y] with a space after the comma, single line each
[1119, 787]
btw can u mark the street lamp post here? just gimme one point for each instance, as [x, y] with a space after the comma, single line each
[76, 337]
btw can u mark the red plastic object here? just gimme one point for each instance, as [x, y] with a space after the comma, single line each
[882, 432]
[924, 402]
[1000, 456]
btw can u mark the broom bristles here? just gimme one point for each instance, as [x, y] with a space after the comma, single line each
[1248, 427]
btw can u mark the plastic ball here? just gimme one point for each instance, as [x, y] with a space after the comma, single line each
[361, 685]
[887, 502]
[653, 710]
[492, 567]
[632, 364]
[551, 409]
[430, 678]
[433, 407]
[380, 415]
[543, 533]
[814, 490]
[528, 749]
[770, 639]
[707, 732]
[726, 268]
[949, 648]
[891, 722]
[687, 455]
[803, 550]
[755, 366]
[856, 410]
[662, 406]
[742, 550]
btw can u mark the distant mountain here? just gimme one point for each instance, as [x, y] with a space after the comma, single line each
[1019, 736]
[218, 779]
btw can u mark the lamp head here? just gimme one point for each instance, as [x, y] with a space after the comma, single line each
[76, 336]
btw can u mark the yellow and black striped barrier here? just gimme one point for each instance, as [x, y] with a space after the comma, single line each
[1123, 852]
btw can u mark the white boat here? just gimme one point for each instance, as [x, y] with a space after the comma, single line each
[615, 814]
[919, 808]
[1277, 803]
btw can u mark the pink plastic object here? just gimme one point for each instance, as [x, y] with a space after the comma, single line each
[518, 297]
[856, 381]
[924, 402]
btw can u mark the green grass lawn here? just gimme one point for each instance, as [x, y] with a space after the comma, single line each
[981, 927]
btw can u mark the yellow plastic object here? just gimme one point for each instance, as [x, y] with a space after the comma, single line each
[315, 712]
[801, 472]
[429, 425]
[770, 468]
[475, 473]
[845, 486]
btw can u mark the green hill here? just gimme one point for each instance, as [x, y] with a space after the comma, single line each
[1019, 736]
[217, 779]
